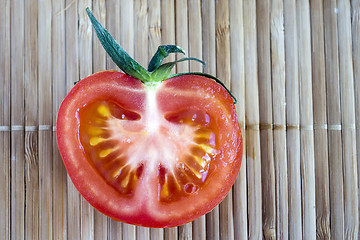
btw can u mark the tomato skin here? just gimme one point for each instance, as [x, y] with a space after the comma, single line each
[176, 93]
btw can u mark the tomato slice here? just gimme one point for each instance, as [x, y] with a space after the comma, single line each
[154, 156]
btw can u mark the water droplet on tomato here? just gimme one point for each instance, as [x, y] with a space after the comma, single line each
[206, 157]
[207, 119]
[194, 117]
[204, 175]
[190, 188]
[180, 166]
[212, 140]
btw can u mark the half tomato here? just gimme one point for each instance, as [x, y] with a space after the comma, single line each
[154, 151]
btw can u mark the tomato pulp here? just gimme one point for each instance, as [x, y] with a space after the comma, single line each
[154, 155]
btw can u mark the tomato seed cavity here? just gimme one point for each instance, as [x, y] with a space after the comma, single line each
[107, 142]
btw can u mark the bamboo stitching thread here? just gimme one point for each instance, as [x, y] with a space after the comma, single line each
[31, 128]
[17, 128]
[44, 127]
[27, 128]
[256, 127]
[4, 128]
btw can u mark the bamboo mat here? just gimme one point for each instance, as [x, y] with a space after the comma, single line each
[294, 67]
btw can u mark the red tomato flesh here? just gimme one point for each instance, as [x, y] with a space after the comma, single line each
[154, 156]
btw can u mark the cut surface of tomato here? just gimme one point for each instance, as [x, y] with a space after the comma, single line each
[154, 156]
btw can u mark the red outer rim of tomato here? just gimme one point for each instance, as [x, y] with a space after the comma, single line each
[131, 89]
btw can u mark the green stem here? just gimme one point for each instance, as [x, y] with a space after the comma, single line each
[162, 72]
[117, 54]
[161, 53]
[157, 72]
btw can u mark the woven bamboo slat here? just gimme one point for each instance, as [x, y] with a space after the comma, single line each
[182, 33]
[112, 24]
[45, 121]
[346, 78]
[168, 36]
[279, 116]
[253, 152]
[355, 20]
[5, 121]
[306, 121]
[292, 119]
[334, 121]
[238, 88]
[59, 175]
[266, 118]
[31, 120]
[17, 148]
[320, 121]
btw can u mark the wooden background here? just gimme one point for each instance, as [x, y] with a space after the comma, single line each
[293, 65]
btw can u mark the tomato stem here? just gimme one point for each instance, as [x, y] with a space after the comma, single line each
[157, 71]
[117, 53]
[163, 71]
[162, 52]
